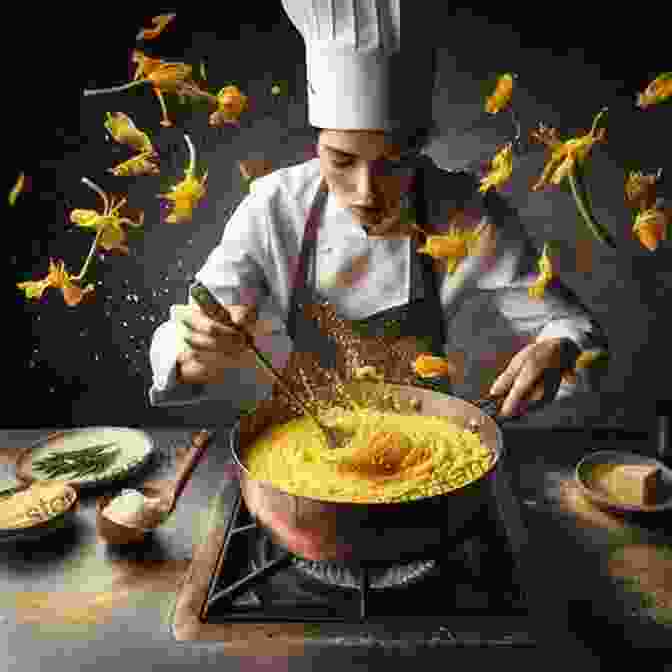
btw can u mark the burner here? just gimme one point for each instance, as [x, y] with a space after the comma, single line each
[258, 579]
[336, 575]
[342, 576]
[395, 576]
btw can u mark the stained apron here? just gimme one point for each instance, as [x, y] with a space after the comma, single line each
[389, 340]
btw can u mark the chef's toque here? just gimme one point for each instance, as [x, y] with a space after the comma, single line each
[363, 71]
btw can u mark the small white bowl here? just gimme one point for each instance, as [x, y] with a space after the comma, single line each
[616, 457]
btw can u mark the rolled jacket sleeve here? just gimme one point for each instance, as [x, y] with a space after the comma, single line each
[234, 273]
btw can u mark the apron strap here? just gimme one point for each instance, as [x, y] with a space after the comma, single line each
[299, 282]
[300, 288]
[437, 331]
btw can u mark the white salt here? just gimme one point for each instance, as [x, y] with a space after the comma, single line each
[131, 508]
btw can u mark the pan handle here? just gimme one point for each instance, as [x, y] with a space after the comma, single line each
[492, 404]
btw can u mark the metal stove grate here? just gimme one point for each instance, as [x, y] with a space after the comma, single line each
[263, 582]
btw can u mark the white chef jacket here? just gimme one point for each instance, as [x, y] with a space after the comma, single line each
[486, 309]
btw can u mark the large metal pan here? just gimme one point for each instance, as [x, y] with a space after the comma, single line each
[356, 533]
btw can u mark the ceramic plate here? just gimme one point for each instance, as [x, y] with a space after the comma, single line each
[135, 450]
[585, 468]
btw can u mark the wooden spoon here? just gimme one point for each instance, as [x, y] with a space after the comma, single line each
[161, 502]
[215, 311]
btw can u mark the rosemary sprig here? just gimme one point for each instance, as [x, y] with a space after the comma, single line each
[83, 462]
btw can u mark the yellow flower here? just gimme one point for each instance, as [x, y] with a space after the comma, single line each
[187, 193]
[163, 76]
[17, 189]
[586, 359]
[160, 22]
[657, 91]
[108, 224]
[565, 154]
[502, 94]
[136, 166]
[428, 366]
[57, 278]
[169, 77]
[546, 274]
[230, 105]
[640, 190]
[500, 172]
[185, 196]
[275, 90]
[651, 227]
[452, 246]
[124, 131]
[145, 64]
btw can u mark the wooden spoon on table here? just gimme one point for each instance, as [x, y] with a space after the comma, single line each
[161, 502]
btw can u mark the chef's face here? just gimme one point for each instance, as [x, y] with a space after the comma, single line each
[366, 173]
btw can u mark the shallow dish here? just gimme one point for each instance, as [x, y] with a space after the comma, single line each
[135, 449]
[40, 510]
[585, 469]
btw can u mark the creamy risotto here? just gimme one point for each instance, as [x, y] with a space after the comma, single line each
[437, 456]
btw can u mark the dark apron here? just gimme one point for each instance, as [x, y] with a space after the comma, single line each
[389, 340]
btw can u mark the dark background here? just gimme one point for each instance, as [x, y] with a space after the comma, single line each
[89, 365]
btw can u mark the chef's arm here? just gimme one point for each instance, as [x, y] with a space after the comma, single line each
[558, 314]
[235, 272]
[511, 270]
[246, 382]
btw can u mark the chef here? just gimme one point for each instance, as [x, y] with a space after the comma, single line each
[335, 241]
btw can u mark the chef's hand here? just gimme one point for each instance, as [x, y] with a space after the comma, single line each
[213, 347]
[548, 359]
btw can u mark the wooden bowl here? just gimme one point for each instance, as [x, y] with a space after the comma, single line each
[116, 533]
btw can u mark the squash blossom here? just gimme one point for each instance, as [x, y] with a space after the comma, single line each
[110, 233]
[452, 246]
[659, 90]
[502, 94]
[428, 366]
[640, 189]
[124, 131]
[163, 76]
[500, 170]
[159, 22]
[170, 77]
[187, 193]
[565, 154]
[546, 274]
[651, 227]
[57, 278]
[586, 359]
[136, 166]
[17, 189]
[145, 65]
[230, 105]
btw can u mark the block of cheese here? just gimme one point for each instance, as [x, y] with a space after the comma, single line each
[635, 484]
